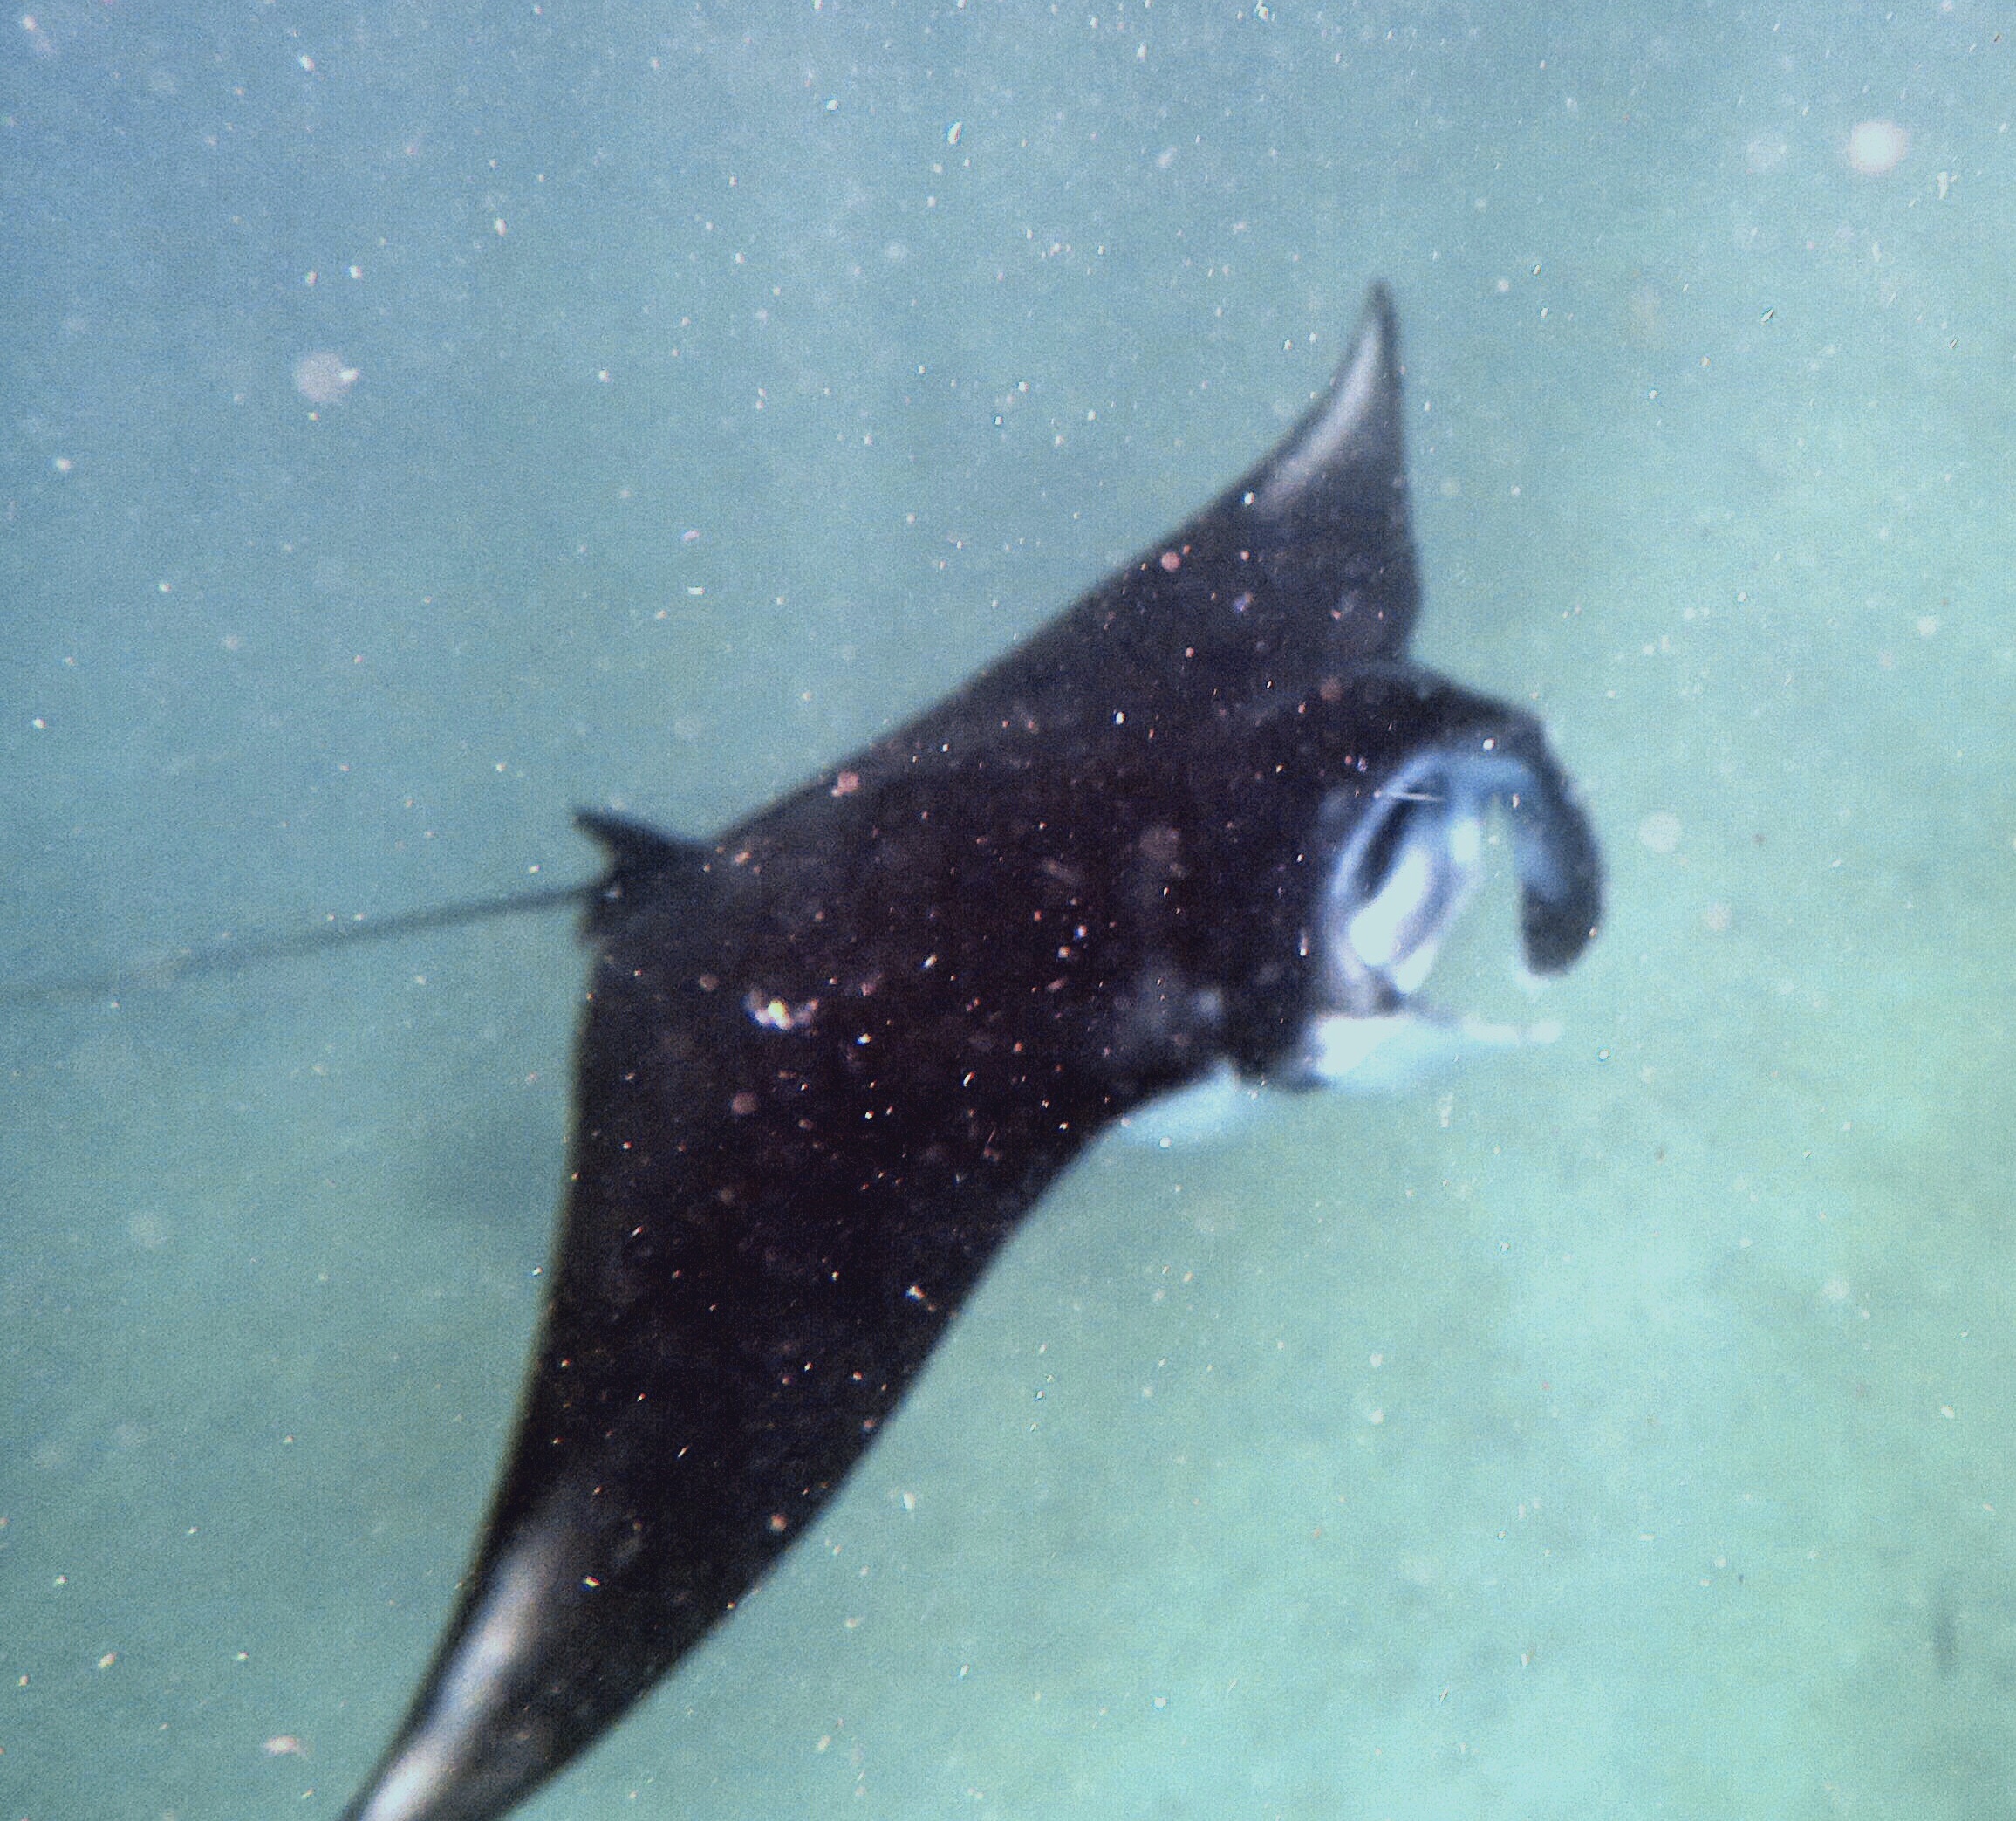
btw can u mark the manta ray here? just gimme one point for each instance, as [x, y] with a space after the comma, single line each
[1211, 817]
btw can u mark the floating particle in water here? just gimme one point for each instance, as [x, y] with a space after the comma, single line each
[1766, 153]
[1876, 146]
[322, 377]
[1660, 831]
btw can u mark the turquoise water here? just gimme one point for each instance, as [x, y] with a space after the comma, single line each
[1619, 1427]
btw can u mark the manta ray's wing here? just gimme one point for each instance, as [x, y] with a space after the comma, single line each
[831, 1057]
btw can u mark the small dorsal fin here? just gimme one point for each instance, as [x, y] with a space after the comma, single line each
[638, 847]
[644, 863]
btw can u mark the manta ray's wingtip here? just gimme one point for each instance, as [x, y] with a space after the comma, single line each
[1322, 523]
[1355, 424]
[1378, 314]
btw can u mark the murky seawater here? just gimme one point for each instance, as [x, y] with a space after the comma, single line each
[417, 424]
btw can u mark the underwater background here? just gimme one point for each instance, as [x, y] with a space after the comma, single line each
[416, 421]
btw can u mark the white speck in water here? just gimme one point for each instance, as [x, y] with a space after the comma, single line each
[1877, 147]
[1660, 831]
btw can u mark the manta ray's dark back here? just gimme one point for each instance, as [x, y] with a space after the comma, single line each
[1210, 815]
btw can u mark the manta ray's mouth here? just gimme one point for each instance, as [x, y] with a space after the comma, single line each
[1402, 878]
